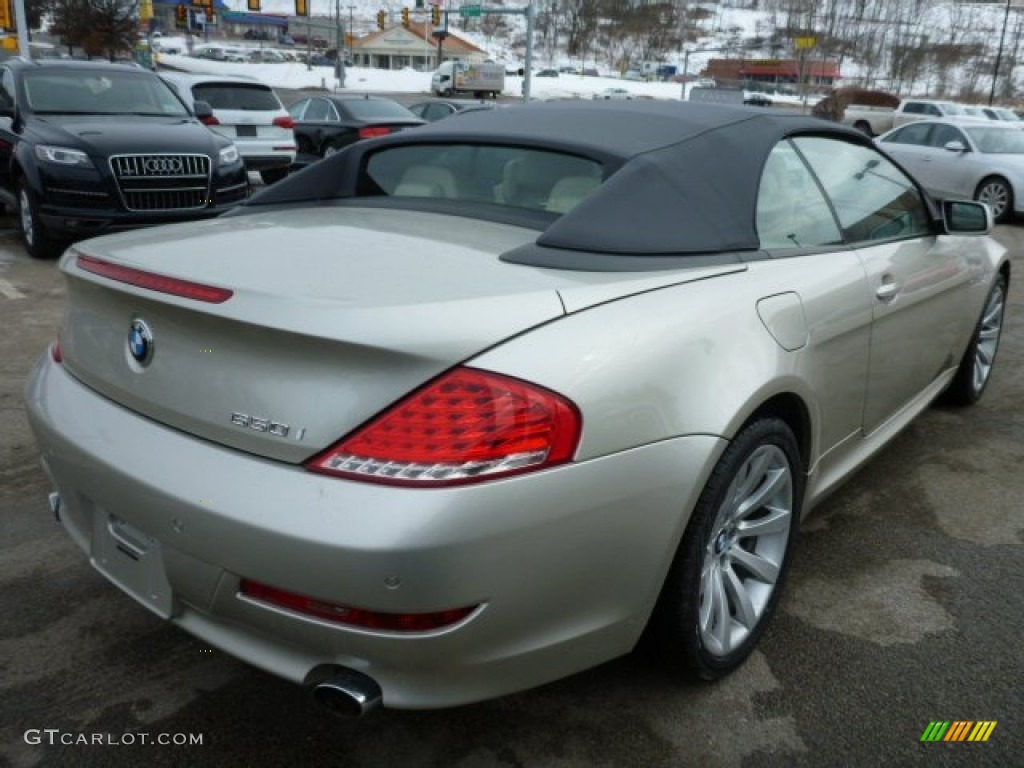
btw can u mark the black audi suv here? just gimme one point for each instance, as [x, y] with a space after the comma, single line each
[92, 147]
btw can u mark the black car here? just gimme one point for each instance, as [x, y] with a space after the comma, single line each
[325, 124]
[91, 147]
[436, 109]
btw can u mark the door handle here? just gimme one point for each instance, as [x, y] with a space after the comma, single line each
[887, 292]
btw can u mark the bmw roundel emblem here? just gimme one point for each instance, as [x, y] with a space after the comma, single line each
[140, 342]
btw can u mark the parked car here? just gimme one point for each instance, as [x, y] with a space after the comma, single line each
[472, 423]
[614, 93]
[546, 73]
[982, 161]
[1005, 115]
[437, 109]
[875, 112]
[247, 112]
[90, 147]
[325, 124]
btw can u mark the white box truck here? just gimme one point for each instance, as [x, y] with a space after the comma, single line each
[482, 80]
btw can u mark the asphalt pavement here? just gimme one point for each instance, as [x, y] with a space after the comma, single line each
[905, 606]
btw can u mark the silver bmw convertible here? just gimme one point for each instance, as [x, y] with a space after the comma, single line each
[462, 410]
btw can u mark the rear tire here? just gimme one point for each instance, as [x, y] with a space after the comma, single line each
[864, 127]
[38, 242]
[976, 366]
[998, 195]
[727, 575]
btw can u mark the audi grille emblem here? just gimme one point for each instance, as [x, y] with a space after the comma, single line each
[164, 165]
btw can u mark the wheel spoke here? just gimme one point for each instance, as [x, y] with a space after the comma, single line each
[759, 567]
[750, 475]
[714, 624]
[776, 521]
[743, 611]
[777, 479]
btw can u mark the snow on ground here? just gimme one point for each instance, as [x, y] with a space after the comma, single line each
[297, 75]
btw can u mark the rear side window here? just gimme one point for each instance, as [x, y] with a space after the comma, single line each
[240, 96]
[791, 210]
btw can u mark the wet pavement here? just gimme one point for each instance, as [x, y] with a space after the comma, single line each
[905, 605]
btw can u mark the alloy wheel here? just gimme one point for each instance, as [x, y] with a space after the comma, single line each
[987, 341]
[744, 554]
[28, 229]
[996, 196]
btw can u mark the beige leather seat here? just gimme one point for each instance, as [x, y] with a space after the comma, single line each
[426, 181]
[568, 192]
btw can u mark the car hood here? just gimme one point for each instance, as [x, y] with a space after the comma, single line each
[335, 314]
[102, 136]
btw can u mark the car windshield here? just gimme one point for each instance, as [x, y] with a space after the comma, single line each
[375, 109]
[503, 175]
[997, 139]
[107, 92]
[240, 96]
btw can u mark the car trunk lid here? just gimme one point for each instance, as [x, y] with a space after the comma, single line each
[335, 313]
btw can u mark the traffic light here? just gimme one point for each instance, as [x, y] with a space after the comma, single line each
[181, 14]
[405, 18]
[252, 5]
[435, 16]
[381, 19]
[301, 8]
[209, 13]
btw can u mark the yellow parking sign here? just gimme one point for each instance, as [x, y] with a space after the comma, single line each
[804, 43]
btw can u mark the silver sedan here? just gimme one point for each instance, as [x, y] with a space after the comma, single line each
[466, 409]
[953, 161]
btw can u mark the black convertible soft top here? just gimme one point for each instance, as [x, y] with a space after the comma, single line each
[681, 177]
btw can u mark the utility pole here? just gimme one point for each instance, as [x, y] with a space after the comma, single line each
[339, 61]
[999, 54]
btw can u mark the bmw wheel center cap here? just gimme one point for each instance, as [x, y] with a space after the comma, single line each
[140, 342]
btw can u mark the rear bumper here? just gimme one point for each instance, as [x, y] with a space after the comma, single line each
[565, 564]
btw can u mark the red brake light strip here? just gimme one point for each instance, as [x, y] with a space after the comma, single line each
[154, 282]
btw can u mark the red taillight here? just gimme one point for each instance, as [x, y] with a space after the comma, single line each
[464, 427]
[286, 121]
[56, 352]
[209, 120]
[369, 133]
[153, 281]
[357, 617]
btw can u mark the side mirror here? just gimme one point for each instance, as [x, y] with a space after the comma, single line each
[202, 110]
[954, 146]
[963, 217]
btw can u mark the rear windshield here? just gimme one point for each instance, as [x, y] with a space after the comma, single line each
[997, 139]
[511, 176]
[248, 98]
[372, 109]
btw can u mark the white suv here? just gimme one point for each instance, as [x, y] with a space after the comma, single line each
[246, 112]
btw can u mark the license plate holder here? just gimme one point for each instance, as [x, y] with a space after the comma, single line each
[245, 131]
[133, 560]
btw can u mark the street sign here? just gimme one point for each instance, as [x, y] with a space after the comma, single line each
[469, 11]
[6, 17]
[804, 43]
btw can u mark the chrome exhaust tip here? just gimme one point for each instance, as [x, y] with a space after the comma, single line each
[348, 693]
[55, 504]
